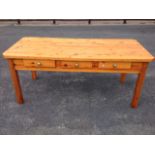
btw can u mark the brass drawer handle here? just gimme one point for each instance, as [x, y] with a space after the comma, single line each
[77, 65]
[115, 65]
[38, 63]
[103, 65]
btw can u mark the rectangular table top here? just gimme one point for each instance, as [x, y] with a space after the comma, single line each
[79, 49]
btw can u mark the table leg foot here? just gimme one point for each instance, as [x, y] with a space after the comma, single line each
[134, 106]
[16, 82]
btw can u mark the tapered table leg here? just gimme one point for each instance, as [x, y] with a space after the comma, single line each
[34, 75]
[123, 77]
[139, 85]
[16, 82]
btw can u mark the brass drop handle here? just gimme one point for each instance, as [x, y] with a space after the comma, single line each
[115, 65]
[103, 65]
[38, 63]
[76, 65]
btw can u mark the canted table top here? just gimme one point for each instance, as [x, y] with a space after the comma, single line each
[79, 49]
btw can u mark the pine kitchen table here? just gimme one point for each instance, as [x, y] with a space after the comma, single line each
[121, 56]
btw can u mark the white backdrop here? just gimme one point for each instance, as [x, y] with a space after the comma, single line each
[77, 9]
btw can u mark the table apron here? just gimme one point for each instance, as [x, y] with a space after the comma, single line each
[77, 66]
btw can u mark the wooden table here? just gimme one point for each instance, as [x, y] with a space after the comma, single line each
[78, 55]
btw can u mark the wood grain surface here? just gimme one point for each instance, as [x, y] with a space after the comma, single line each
[79, 49]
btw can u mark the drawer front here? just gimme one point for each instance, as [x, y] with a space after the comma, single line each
[114, 65]
[39, 63]
[18, 62]
[73, 64]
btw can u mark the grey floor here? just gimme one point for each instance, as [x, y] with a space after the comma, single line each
[76, 103]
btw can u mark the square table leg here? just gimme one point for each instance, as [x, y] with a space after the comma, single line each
[16, 82]
[123, 77]
[139, 85]
[34, 75]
